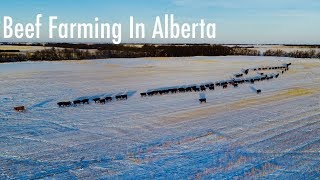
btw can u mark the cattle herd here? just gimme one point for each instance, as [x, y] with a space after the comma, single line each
[235, 81]
[103, 100]
[238, 78]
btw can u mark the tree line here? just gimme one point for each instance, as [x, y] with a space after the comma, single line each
[294, 54]
[67, 51]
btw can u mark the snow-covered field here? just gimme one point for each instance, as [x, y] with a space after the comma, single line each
[237, 134]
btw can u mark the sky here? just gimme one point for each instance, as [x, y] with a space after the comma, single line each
[237, 21]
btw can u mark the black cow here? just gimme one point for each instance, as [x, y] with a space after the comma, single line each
[118, 97]
[211, 87]
[102, 101]
[258, 91]
[181, 89]
[155, 92]
[85, 101]
[76, 102]
[124, 96]
[66, 104]
[188, 89]
[108, 98]
[202, 88]
[235, 85]
[238, 75]
[96, 100]
[246, 71]
[174, 90]
[161, 92]
[225, 86]
[143, 94]
[203, 100]
[196, 89]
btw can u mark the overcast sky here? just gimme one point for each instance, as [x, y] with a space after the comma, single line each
[238, 21]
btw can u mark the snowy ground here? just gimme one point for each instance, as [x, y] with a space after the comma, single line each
[237, 134]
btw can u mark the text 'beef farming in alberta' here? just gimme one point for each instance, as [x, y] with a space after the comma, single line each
[164, 28]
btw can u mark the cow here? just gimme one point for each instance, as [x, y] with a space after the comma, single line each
[60, 104]
[161, 92]
[19, 108]
[203, 100]
[188, 89]
[211, 88]
[118, 97]
[66, 104]
[258, 91]
[124, 96]
[102, 101]
[202, 88]
[85, 101]
[246, 71]
[173, 90]
[181, 89]
[108, 98]
[225, 86]
[76, 102]
[235, 85]
[196, 89]
[96, 100]
[238, 75]
[155, 92]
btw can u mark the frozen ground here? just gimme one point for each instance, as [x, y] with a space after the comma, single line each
[237, 134]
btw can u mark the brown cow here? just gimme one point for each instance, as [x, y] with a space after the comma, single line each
[19, 108]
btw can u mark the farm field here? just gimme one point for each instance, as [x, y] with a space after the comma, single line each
[237, 134]
[22, 48]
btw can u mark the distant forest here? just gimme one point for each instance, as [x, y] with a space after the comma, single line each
[67, 51]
